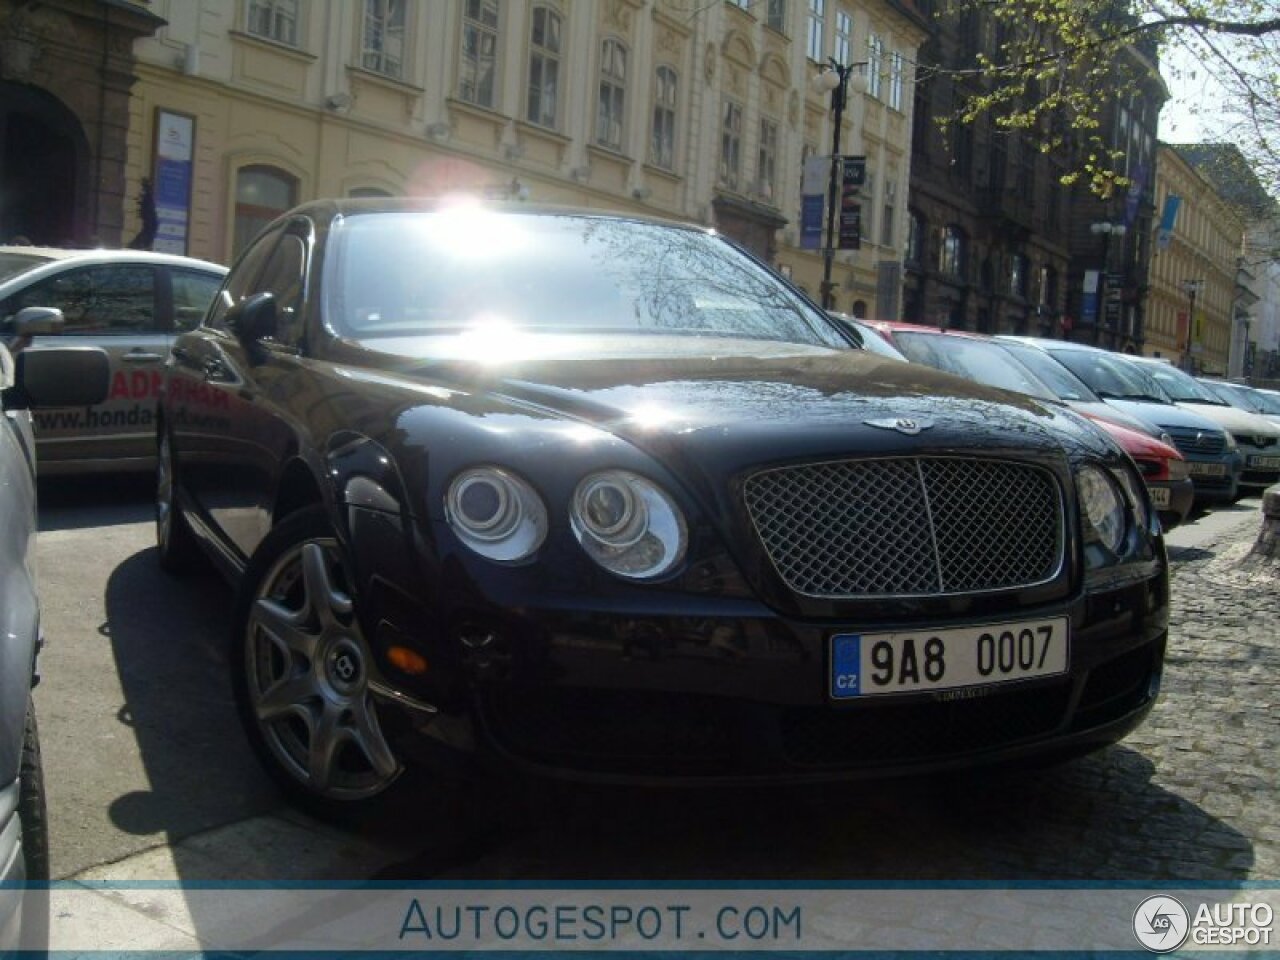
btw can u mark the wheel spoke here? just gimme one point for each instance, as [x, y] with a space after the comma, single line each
[327, 737]
[289, 695]
[366, 734]
[322, 597]
[286, 626]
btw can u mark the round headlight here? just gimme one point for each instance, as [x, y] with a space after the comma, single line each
[1103, 507]
[628, 524]
[496, 514]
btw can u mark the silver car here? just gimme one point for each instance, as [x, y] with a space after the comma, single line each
[131, 303]
[40, 379]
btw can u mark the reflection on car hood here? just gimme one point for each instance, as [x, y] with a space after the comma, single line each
[791, 400]
[1163, 414]
[1237, 421]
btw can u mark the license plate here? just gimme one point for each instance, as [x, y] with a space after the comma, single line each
[871, 664]
[1206, 469]
[1266, 463]
[1160, 497]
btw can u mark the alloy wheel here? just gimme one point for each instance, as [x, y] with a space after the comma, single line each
[307, 668]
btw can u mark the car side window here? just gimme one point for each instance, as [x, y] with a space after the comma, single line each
[102, 300]
[192, 293]
[242, 280]
[283, 278]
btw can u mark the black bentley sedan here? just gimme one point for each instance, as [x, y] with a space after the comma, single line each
[607, 498]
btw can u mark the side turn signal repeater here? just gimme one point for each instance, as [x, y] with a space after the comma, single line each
[407, 661]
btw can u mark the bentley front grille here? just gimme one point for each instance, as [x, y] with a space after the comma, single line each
[908, 526]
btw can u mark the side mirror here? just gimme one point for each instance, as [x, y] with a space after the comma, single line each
[33, 321]
[60, 377]
[254, 318]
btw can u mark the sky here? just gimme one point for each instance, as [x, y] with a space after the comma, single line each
[1188, 116]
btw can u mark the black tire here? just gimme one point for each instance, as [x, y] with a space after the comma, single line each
[279, 632]
[176, 545]
[31, 802]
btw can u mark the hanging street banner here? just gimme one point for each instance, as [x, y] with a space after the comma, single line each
[817, 171]
[853, 174]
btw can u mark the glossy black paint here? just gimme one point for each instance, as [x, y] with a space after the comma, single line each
[375, 430]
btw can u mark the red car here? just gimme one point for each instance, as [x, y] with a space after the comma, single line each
[980, 358]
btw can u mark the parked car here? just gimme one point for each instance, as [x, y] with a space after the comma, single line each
[1243, 397]
[35, 381]
[130, 303]
[978, 357]
[1257, 438]
[869, 338]
[1213, 458]
[606, 498]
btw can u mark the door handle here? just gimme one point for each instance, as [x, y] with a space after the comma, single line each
[140, 357]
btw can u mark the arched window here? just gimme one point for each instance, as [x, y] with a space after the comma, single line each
[476, 81]
[663, 149]
[262, 194]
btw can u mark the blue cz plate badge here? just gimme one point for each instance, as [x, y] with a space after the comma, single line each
[872, 664]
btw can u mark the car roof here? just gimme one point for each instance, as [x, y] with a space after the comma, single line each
[104, 255]
[1045, 343]
[904, 327]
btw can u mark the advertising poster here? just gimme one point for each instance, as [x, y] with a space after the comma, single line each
[174, 156]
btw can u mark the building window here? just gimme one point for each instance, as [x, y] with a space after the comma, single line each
[776, 15]
[663, 147]
[952, 252]
[544, 67]
[817, 14]
[357, 193]
[613, 90]
[875, 64]
[1048, 288]
[844, 35]
[274, 19]
[262, 194]
[479, 52]
[731, 145]
[1018, 269]
[888, 212]
[383, 37]
[915, 238]
[897, 73]
[767, 160]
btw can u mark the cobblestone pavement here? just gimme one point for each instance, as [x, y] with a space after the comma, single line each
[1191, 795]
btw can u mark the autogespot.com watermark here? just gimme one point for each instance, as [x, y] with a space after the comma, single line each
[1162, 924]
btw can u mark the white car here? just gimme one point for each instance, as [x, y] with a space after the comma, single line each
[1257, 437]
[131, 303]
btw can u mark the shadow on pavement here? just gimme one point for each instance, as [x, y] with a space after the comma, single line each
[68, 503]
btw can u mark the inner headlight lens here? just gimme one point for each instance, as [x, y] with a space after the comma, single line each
[1136, 490]
[1103, 507]
[496, 514]
[628, 524]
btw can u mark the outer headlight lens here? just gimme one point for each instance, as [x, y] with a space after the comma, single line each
[1178, 469]
[1103, 507]
[628, 524]
[496, 514]
[1136, 490]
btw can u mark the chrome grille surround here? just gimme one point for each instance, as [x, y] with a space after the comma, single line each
[909, 526]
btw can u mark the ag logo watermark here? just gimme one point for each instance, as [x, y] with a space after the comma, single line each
[1161, 924]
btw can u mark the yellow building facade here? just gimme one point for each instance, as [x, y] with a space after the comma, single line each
[1194, 270]
[689, 109]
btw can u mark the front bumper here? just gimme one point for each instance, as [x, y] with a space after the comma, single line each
[720, 692]
[1181, 494]
[1261, 466]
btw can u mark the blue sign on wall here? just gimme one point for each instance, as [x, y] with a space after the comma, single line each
[174, 161]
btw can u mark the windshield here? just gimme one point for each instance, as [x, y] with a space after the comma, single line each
[1053, 374]
[975, 360]
[451, 271]
[1110, 377]
[1255, 401]
[1181, 386]
[12, 264]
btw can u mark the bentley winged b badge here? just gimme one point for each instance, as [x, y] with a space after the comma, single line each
[902, 424]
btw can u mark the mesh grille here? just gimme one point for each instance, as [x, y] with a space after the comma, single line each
[908, 526]
[1197, 441]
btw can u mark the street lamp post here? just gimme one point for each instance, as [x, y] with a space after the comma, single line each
[1191, 288]
[1106, 230]
[835, 78]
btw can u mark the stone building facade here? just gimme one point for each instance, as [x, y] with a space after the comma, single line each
[700, 113]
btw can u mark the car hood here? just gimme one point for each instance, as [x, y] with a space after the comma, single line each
[1164, 414]
[1237, 421]
[744, 401]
